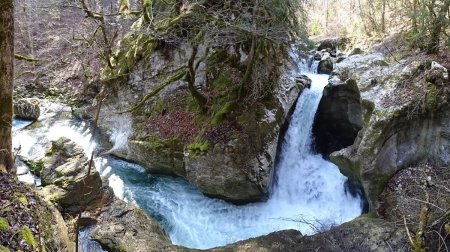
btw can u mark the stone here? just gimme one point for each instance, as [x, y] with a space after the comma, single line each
[338, 117]
[303, 80]
[340, 59]
[34, 214]
[437, 74]
[332, 44]
[28, 109]
[356, 51]
[317, 56]
[325, 66]
[64, 175]
[125, 227]
[242, 169]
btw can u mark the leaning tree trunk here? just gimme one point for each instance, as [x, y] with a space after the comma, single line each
[6, 83]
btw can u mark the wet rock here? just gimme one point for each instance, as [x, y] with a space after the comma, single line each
[28, 109]
[338, 118]
[64, 172]
[325, 66]
[125, 227]
[303, 80]
[340, 59]
[317, 56]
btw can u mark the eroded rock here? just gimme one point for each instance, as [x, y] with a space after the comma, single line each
[124, 227]
[338, 118]
[325, 66]
[28, 109]
[405, 120]
[64, 171]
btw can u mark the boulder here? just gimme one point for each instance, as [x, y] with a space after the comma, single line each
[317, 56]
[332, 44]
[356, 51]
[325, 66]
[437, 74]
[303, 81]
[28, 109]
[63, 171]
[338, 118]
[125, 227]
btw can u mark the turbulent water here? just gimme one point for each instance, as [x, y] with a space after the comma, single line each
[308, 195]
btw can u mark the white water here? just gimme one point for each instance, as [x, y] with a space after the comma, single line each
[309, 194]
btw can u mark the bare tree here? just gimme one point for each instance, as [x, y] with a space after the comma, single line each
[6, 83]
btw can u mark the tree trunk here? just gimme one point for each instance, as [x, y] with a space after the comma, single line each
[383, 17]
[6, 83]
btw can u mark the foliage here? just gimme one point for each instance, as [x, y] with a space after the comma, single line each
[430, 20]
[425, 22]
[26, 235]
[198, 147]
[36, 167]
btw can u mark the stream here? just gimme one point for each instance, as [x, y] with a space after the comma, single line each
[309, 193]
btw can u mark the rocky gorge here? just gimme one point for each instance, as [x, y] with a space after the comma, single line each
[383, 120]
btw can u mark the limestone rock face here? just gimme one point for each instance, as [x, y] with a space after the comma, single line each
[64, 175]
[125, 227]
[405, 120]
[239, 168]
[27, 109]
[242, 169]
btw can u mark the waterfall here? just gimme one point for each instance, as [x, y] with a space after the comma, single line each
[309, 194]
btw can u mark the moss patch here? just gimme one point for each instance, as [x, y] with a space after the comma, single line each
[432, 100]
[26, 235]
[22, 199]
[198, 148]
[4, 249]
[36, 167]
[4, 225]
[379, 183]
